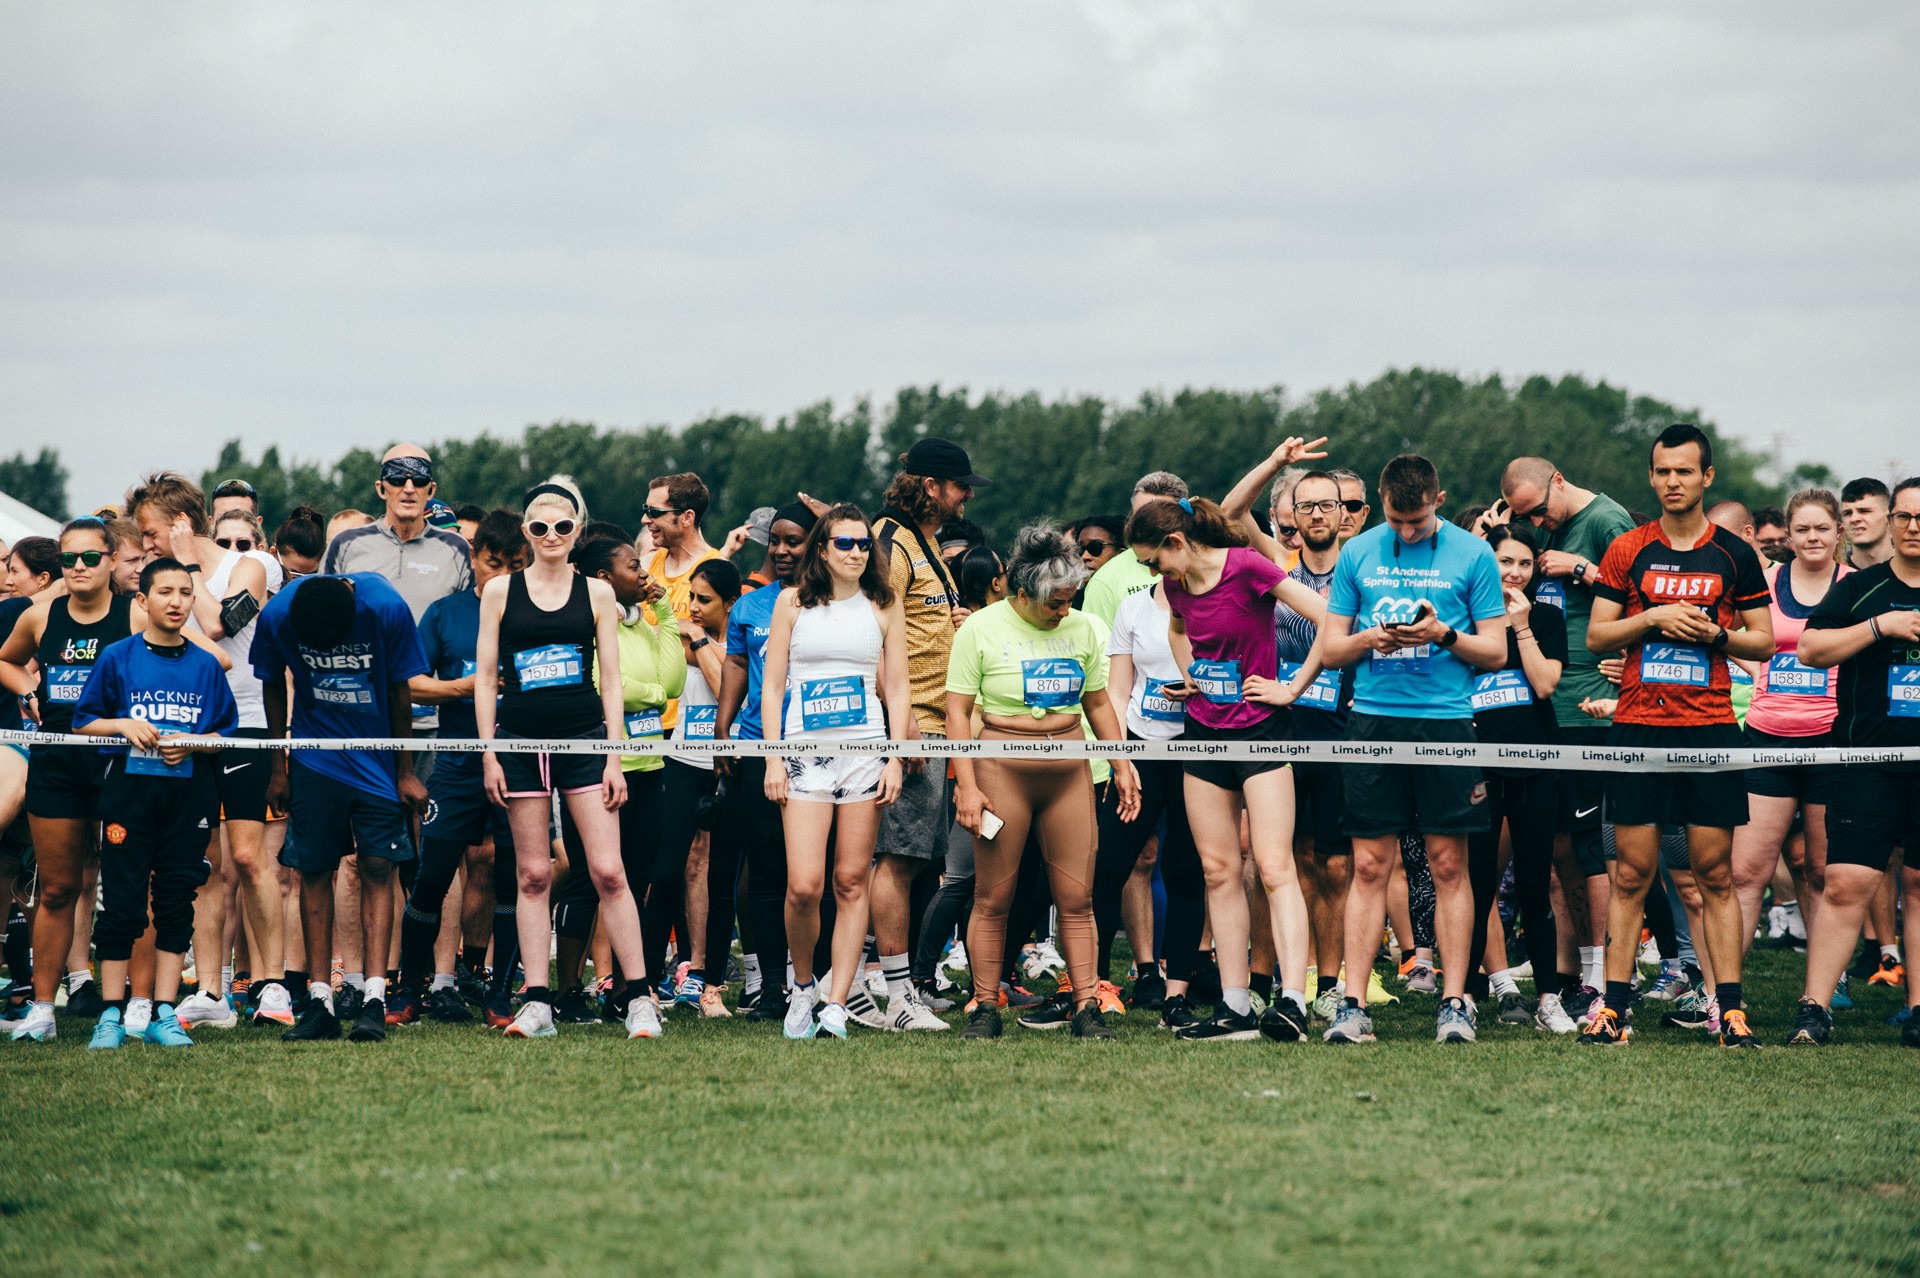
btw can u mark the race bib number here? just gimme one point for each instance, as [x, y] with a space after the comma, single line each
[833, 703]
[1156, 706]
[421, 712]
[1677, 663]
[699, 721]
[556, 665]
[1903, 692]
[1786, 675]
[1053, 682]
[1322, 694]
[1412, 661]
[343, 688]
[1217, 681]
[645, 722]
[1738, 676]
[1501, 690]
[1552, 591]
[148, 763]
[66, 683]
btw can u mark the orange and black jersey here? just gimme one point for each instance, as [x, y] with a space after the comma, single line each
[1679, 684]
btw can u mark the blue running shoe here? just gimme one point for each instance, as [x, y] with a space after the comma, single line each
[109, 1033]
[164, 1029]
[1842, 1001]
[1900, 1017]
[690, 990]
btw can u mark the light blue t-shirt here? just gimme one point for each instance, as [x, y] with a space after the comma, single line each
[1380, 580]
[748, 626]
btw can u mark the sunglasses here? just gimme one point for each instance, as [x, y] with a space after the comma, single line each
[662, 512]
[1538, 512]
[241, 544]
[1095, 546]
[91, 558]
[559, 527]
[1284, 531]
[851, 543]
[402, 470]
[235, 488]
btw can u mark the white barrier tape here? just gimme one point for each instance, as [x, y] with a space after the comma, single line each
[1550, 757]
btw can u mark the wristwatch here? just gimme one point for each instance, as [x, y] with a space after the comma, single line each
[1580, 571]
[1448, 639]
[1720, 640]
[699, 643]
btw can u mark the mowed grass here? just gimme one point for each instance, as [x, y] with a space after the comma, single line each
[724, 1149]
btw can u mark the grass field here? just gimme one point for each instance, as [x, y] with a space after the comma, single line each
[724, 1149]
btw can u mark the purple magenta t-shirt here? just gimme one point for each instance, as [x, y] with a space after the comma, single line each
[1231, 630]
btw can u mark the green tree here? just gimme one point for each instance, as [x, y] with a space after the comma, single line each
[40, 482]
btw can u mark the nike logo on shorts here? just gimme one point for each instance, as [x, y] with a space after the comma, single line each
[235, 768]
[1581, 814]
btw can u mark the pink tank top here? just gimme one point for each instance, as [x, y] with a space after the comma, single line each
[1790, 699]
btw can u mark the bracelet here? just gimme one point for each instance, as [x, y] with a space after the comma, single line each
[1519, 635]
[1874, 624]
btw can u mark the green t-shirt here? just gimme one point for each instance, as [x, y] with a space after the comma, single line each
[1012, 667]
[1119, 577]
[1587, 534]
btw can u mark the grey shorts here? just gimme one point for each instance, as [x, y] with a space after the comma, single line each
[915, 825]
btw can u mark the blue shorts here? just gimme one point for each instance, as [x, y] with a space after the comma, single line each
[458, 809]
[329, 819]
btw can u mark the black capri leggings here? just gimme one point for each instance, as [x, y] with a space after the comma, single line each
[1526, 805]
[1162, 794]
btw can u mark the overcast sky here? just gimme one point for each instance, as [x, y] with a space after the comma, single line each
[328, 225]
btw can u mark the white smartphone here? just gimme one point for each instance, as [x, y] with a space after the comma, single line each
[990, 824]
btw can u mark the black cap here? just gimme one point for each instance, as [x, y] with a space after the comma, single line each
[943, 459]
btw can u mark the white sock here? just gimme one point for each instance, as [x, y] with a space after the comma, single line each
[789, 973]
[322, 991]
[76, 979]
[1890, 951]
[750, 964]
[1239, 1000]
[358, 980]
[444, 981]
[1299, 998]
[895, 968]
[1593, 966]
[377, 988]
[144, 1006]
[1502, 982]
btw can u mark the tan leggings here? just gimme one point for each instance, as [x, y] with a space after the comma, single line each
[1054, 797]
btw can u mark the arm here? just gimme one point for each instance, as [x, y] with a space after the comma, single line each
[773, 687]
[247, 582]
[1542, 671]
[606, 638]
[486, 686]
[1826, 648]
[733, 691]
[16, 654]
[273, 693]
[1182, 646]
[1106, 727]
[896, 693]
[1273, 693]
[669, 659]
[1302, 598]
[968, 801]
[1754, 640]
[1239, 503]
[429, 691]
[1609, 629]
[413, 793]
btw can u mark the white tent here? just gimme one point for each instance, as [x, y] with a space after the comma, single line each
[17, 520]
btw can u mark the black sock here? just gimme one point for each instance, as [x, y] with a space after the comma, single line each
[1322, 984]
[506, 948]
[475, 957]
[1692, 973]
[418, 932]
[118, 1004]
[1727, 994]
[1620, 996]
[539, 994]
[297, 980]
[1351, 1001]
[1148, 968]
[1261, 983]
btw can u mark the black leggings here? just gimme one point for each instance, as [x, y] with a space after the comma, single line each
[1413, 856]
[1162, 793]
[950, 906]
[440, 860]
[1526, 804]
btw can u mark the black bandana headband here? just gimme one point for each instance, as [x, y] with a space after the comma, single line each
[542, 490]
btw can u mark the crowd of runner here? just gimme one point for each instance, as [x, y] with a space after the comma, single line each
[210, 862]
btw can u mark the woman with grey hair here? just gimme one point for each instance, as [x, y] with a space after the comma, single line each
[1036, 669]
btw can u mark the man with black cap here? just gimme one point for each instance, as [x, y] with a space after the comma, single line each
[936, 478]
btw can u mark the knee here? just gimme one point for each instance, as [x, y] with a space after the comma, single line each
[1336, 873]
[376, 871]
[1713, 880]
[804, 891]
[536, 878]
[1370, 870]
[610, 881]
[1445, 867]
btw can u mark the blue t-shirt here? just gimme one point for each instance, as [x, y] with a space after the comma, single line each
[1380, 580]
[10, 613]
[179, 695]
[748, 626]
[342, 691]
[449, 637]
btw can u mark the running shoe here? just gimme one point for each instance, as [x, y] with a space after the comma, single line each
[1812, 1023]
[274, 1005]
[1552, 1017]
[1057, 1013]
[1514, 1010]
[317, 1022]
[448, 1006]
[1842, 998]
[1670, 984]
[109, 1033]
[1648, 954]
[1019, 997]
[1910, 1035]
[931, 998]
[1284, 1022]
[403, 1008]
[1691, 1012]
[1604, 1028]
[1042, 960]
[691, 989]
[1225, 1026]
[86, 1001]
[863, 1010]
[347, 1001]
[956, 958]
[1378, 995]
[908, 1013]
[1796, 924]
[876, 982]
[1868, 963]
[713, 1004]
[1424, 979]
[1089, 1023]
[1734, 1031]
[832, 1022]
[799, 1023]
[749, 999]
[1579, 1002]
[1107, 999]
[371, 1025]
[472, 985]
[1350, 1025]
[1149, 991]
[643, 1018]
[534, 1020]
[139, 1015]
[1063, 983]
[772, 1006]
[1454, 1022]
[1326, 1006]
[498, 1013]
[982, 1023]
[165, 1030]
[1177, 1014]
[38, 1026]
[573, 1007]
[204, 1011]
[1891, 972]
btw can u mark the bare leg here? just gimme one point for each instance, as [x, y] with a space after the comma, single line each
[698, 854]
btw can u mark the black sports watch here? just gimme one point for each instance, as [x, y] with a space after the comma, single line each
[1448, 639]
[699, 643]
[1720, 640]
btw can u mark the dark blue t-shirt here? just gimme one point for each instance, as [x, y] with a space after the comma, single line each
[182, 691]
[10, 612]
[342, 691]
[449, 637]
[748, 626]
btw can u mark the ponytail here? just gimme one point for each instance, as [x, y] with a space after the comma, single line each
[1200, 521]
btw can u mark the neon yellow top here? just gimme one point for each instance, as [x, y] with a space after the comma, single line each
[1011, 667]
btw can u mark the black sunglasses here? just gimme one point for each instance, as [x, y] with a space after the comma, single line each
[1096, 546]
[851, 543]
[559, 527]
[1284, 531]
[91, 558]
[1538, 512]
[661, 512]
[400, 470]
[241, 544]
[235, 488]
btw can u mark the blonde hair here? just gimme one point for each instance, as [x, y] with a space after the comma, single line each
[537, 497]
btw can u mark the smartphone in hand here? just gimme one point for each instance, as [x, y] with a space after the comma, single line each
[990, 824]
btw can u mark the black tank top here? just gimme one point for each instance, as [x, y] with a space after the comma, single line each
[67, 653]
[546, 661]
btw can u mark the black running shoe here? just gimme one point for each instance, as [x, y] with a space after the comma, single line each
[984, 1022]
[573, 1007]
[1149, 991]
[769, 1008]
[86, 1001]
[448, 1006]
[1734, 1030]
[1226, 1026]
[315, 1024]
[1055, 1013]
[1283, 1022]
[1812, 1023]
[749, 999]
[1910, 1034]
[371, 1025]
[1176, 1013]
[1089, 1023]
[347, 1001]
[471, 985]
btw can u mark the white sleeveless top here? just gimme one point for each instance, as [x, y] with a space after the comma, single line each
[247, 696]
[833, 671]
[698, 708]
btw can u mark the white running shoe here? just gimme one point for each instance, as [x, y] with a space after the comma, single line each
[799, 1023]
[864, 1011]
[833, 1021]
[643, 1018]
[1776, 922]
[204, 1011]
[1552, 1017]
[908, 1012]
[139, 1016]
[1042, 960]
[534, 1020]
[38, 1027]
[956, 959]
[1796, 922]
[1649, 954]
[276, 1004]
[1522, 973]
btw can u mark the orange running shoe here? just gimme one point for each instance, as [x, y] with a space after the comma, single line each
[1108, 999]
[1891, 972]
[1734, 1031]
[1064, 983]
[1605, 1029]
